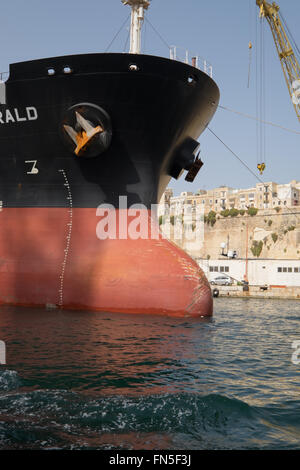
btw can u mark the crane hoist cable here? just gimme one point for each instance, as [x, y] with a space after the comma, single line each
[250, 60]
[260, 100]
[249, 44]
[288, 53]
[286, 48]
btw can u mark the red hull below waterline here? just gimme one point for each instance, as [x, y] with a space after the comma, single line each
[52, 256]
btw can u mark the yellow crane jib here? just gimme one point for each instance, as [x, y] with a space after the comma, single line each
[289, 63]
[261, 167]
[266, 8]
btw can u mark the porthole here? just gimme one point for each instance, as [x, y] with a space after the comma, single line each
[192, 79]
[67, 69]
[133, 68]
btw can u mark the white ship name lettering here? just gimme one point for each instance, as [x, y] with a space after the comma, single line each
[34, 170]
[28, 114]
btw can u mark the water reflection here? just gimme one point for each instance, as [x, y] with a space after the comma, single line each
[243, 352]
[104, 352]
[100, 380]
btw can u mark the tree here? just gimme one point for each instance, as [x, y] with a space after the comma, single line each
[252, 211]
[256, 248]
[225, 213]
[233, 212]
[211, 218]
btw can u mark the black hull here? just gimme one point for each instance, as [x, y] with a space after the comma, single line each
[153, 111]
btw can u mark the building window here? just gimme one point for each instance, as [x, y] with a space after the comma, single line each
[216, 269]
[226, 269]
[221, 269]
[289, 270]
[211, 269]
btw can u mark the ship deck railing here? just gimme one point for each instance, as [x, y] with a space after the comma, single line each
[183, 55]
[4, 76]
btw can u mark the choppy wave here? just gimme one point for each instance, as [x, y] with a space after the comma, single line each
[92, 381]
[69, 420]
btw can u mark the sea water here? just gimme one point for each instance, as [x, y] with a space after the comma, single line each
[90, 380]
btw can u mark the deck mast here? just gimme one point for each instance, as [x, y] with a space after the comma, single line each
[137, 18]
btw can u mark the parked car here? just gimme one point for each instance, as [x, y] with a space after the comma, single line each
[221, 281]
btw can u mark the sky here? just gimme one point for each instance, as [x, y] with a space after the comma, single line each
[218, 31]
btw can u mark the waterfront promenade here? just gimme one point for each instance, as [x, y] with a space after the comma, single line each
[271, 292]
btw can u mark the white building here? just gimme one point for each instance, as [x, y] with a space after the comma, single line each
[260, 271]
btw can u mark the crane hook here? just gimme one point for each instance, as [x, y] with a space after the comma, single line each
[261, 167]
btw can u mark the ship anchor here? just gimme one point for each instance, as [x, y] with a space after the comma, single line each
[83, 137]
